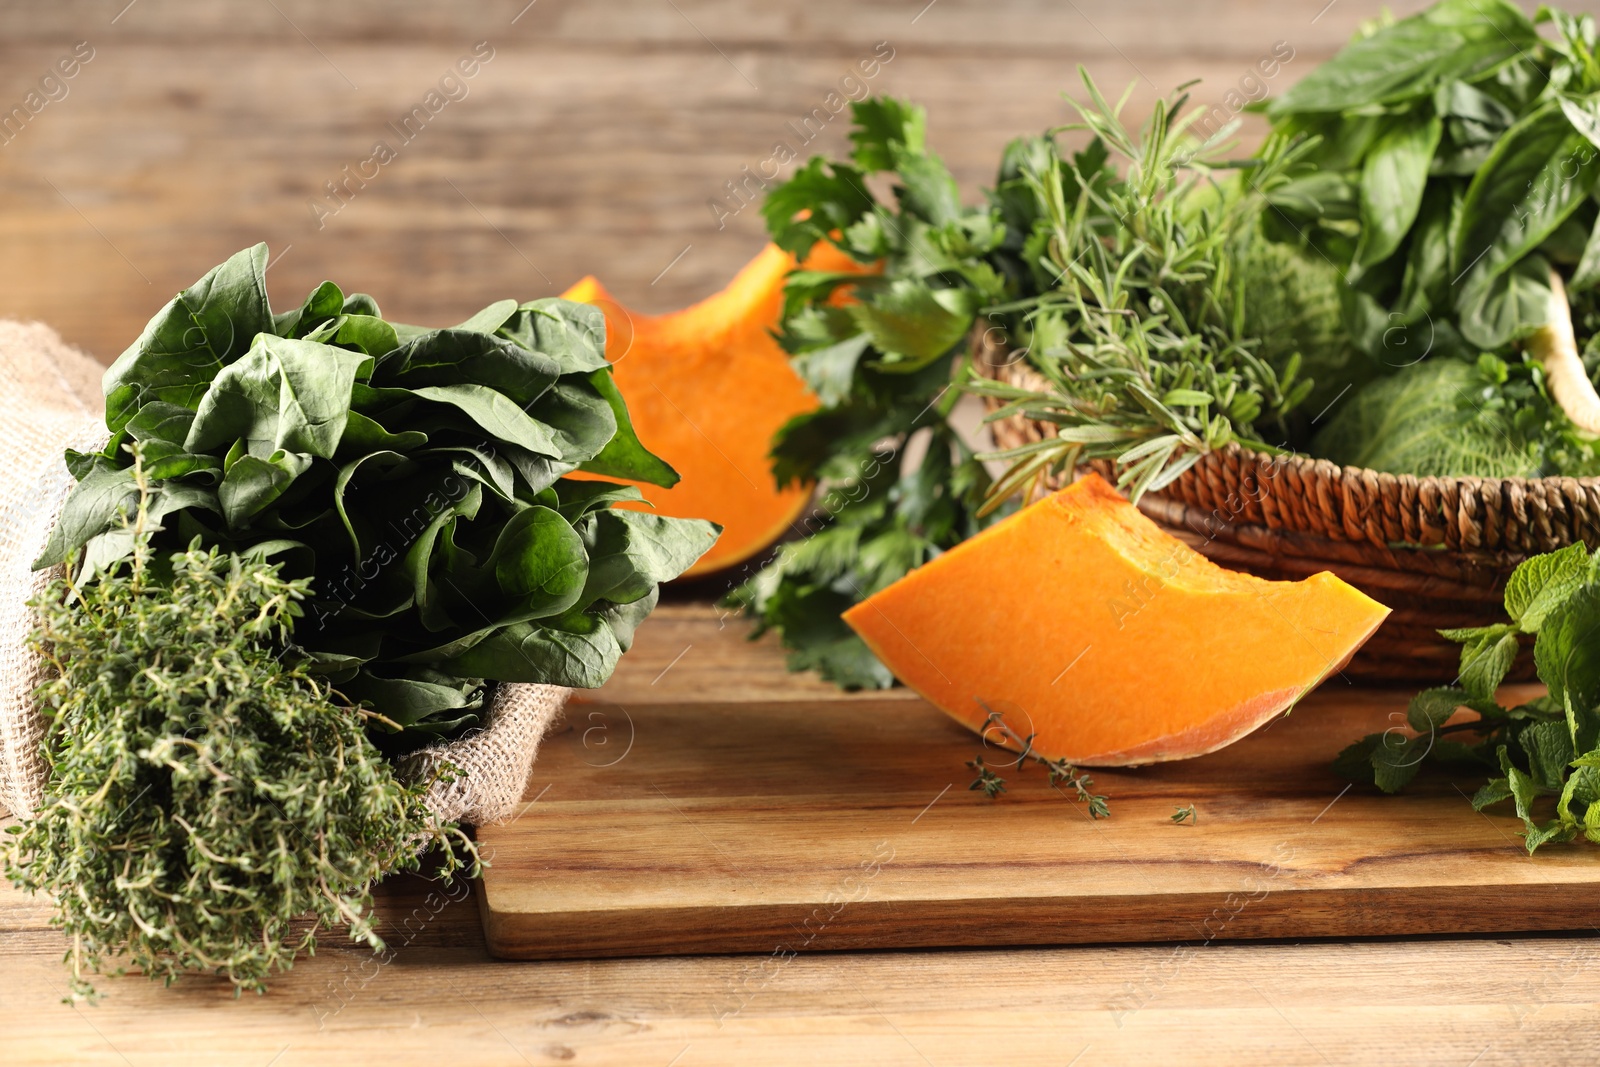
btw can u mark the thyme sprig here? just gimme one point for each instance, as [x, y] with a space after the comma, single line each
[1060, 772]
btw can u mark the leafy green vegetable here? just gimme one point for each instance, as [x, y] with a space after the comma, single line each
[414, 475]
[1454, 39]
[882, 369]
[1543, 755]
[1381, 260]
[1439, 417]
[1468, 144]
[204, 794]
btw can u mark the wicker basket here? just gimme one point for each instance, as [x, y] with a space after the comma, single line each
[1436, 550]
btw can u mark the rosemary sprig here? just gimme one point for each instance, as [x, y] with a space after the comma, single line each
[1136, 324]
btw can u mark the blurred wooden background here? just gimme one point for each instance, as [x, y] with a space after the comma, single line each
[594, 141]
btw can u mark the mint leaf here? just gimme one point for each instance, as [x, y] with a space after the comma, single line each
[1354, 763]
[1432, 708]
[1549, 750]
[1540, 583]
[1395, 762]
[1567, 651]
[1485, 662]
[1493, 791]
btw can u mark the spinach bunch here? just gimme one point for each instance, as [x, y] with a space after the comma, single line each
[1544, 755]
[415, 476]
[1451, 162]
[877, 349]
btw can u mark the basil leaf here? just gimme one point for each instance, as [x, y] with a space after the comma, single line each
[1454, 39]
[1392, 182]
[1538, 173]
[1496, 308]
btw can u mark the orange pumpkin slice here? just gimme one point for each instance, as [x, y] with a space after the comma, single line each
[1113, 643]
[707, 388]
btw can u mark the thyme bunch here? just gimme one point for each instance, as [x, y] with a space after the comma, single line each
[210, 805]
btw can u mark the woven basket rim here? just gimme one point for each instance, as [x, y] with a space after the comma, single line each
[1387, 480]
[1303, 495]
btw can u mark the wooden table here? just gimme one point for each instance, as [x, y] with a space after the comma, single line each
[438, 997]
[597, 140]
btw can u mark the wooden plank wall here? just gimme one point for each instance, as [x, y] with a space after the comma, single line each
[594, 141]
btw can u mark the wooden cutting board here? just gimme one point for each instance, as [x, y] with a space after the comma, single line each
[705, 801]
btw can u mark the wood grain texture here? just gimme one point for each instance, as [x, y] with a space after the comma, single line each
[594, 142]
[437, 996]
[668, 820]
[440, 999]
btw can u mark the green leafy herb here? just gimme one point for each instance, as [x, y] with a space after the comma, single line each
[1060, 772]
[205, 790]
[988, 781]
[1467, 144]
[1543, 755]
[1187, 814]
[1137, 318]
[882, 367]
[414, 475]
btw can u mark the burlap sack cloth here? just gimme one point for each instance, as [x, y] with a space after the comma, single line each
[50, 399]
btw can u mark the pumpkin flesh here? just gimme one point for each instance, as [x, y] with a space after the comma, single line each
[1109, 640]
[707, 388]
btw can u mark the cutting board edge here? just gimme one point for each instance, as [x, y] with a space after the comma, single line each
[1176, 918]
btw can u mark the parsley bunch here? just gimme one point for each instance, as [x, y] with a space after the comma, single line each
[878, 350]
